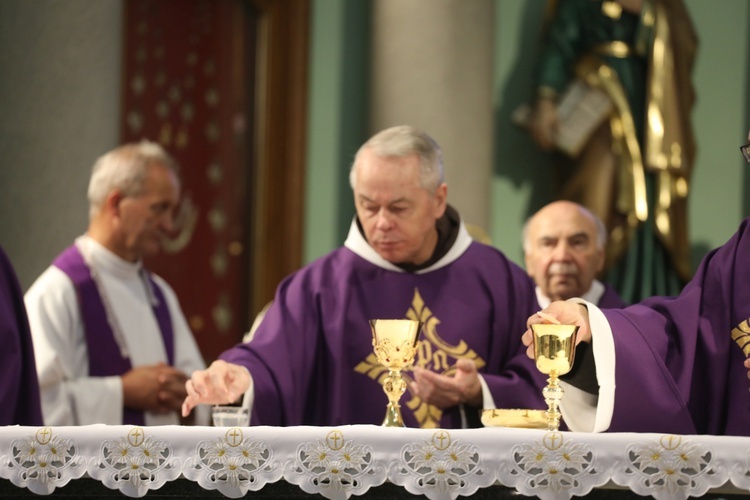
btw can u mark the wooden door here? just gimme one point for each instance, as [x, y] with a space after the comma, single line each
[209, 80]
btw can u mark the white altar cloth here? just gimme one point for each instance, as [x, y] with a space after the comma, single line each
[338, 462]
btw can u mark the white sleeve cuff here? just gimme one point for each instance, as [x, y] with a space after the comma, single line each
[585, 412]
[488, 402]
[249, 398]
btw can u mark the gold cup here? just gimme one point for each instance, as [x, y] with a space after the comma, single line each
[554, 349]
[395, 344]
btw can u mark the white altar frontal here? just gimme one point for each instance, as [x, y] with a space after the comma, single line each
[339, 462]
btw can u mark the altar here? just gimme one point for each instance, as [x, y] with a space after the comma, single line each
[366, 460]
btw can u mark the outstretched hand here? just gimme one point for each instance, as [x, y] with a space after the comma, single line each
[220, 383]
[446, 391]
[566, 313]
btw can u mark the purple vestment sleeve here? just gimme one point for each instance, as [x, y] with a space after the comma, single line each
[678, 368]
[19, 386]
[311, 358]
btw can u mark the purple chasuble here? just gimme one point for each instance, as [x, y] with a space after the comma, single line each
[19, 387]
[679, 360]
[312, 358]
[105, 358]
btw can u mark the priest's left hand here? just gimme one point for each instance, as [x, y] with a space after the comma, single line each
[747, 365]
[446, 391]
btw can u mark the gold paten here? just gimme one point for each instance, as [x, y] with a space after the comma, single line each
[554, 350]
[520, 419]
[394, 342]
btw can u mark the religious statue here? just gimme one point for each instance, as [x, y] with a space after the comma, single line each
[615, 77]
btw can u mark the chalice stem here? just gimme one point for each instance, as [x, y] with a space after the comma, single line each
[394, 387]
[552, 395]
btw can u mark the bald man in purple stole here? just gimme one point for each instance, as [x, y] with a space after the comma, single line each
[408, 255]
[668, 364]
[19, 388]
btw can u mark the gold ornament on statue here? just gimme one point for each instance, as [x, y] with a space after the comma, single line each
[554, 349]
[394, 342]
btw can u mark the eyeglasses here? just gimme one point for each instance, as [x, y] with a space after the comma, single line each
[746, 152]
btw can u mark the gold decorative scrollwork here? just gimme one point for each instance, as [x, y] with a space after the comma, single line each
[741, 335]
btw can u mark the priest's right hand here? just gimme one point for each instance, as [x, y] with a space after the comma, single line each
[220, 383]
[564, 312]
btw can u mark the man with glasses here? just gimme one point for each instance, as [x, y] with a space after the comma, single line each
[682, 358]
[746, 151]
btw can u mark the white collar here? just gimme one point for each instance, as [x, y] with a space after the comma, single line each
[593, 295]
[359, 245]
[107, 261]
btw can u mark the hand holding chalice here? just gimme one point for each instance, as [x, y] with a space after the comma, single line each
[395, 344]
[554, 349]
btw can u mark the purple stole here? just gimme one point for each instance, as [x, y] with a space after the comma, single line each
[104, 354]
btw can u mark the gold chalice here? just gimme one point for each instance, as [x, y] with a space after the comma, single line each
[395, 344]
[554, 349]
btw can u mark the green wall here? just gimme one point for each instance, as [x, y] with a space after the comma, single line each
[337, 119]
[323, 183]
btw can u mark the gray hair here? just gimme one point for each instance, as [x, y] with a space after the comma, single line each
[402, 141]
[601, 229]
[125, 168]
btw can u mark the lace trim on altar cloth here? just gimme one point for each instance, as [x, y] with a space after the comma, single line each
[42, 461]
[337, 463]
[233, 464]
[440, 467]
[335, 467]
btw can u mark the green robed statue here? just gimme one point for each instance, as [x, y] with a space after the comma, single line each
[633, 170]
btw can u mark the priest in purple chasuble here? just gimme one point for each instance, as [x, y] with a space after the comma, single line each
[19, 387]
[668, 364]
[407, 255]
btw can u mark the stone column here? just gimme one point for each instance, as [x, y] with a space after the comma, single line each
[432, 67]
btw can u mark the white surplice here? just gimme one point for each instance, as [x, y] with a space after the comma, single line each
[69, 395]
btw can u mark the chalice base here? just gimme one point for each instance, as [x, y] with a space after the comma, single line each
[393, 416]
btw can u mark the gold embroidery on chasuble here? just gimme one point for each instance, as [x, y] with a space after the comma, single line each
[741, 335]
[433, 353]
